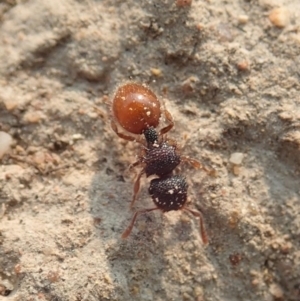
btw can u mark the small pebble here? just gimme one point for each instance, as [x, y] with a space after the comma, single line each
[5, 143]
[286, 248]
[236, 158]
[236, 170]
[17, 269]
[156, 72]
[276, 291]
[39, 158]
[243, 65]
[10, 104]
[198, 292]
[107, 278]
[77, 137]
[20, 150]
[189, 84]
[243, 19]
[33, 117]
[185, 218]
[279, 17]
[183, 3]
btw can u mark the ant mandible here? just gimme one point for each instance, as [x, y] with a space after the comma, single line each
[138, 111]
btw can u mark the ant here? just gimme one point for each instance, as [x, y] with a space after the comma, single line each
[138, 111]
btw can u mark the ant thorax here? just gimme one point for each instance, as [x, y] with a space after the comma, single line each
[160, 158]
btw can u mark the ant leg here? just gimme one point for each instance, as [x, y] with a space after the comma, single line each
[169, 118]
[121, 135]
[198, 165]
[140, 161]
[129, 228]
[136, 188]
[133, 165]
[193, 162]
[202, 227]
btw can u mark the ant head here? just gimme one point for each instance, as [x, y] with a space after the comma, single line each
[136, 108]
[151, 135]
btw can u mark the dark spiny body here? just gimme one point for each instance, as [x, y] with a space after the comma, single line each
[169, 193]
[161, 158]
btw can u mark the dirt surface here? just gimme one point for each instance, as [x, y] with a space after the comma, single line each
[228, 71]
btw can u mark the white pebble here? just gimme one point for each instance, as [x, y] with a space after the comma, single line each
[77, 137]
[5, 143]
[236, 158]
[243, 19]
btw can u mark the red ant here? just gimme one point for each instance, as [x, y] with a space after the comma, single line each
[137, 110]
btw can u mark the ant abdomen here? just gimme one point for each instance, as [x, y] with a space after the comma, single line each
[169, 193]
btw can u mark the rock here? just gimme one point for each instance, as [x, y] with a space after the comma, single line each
[279, 17]
[5, 143]
[236, 158]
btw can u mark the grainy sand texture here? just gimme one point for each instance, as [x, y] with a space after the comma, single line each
[228, 72]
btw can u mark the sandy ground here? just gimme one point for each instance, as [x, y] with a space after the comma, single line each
[228, 71]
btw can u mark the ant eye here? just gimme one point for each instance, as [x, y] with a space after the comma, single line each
[136, 108]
